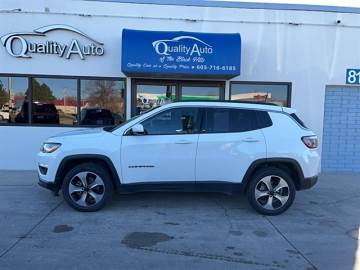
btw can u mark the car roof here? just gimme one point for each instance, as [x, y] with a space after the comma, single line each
[94, 109]
[37, 103]
[231, 104]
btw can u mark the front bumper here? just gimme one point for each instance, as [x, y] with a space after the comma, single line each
[49, 185]
[309, 182]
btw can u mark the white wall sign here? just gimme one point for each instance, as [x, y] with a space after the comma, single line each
[25, 47]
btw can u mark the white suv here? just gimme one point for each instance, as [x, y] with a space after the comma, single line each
[263, 150]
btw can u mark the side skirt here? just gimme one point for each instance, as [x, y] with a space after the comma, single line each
[209, 186]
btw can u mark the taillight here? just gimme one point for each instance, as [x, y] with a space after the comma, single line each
[310, 141]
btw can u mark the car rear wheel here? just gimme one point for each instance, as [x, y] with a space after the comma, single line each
[87, 187]
[271, 191]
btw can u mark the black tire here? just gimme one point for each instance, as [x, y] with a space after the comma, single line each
[258, 186]
[93, 172]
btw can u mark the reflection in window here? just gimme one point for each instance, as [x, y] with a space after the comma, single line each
[222, 120]
[173, 121]
[13, 93]
[272, 93]
[54, 101]
[102, 102]
[200, 93]
[150, 96]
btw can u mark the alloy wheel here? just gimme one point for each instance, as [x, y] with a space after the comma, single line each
[86, 189]
[272, 192]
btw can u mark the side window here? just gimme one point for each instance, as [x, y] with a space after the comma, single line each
[222, 120]
[173, 121]
[264, 119]
[298, 120]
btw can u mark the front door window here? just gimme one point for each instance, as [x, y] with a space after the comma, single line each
[173, 121]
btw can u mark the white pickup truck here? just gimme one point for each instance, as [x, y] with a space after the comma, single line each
[4, 113]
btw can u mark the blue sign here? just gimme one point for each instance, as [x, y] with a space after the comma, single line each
[180, 54]
[353, 76]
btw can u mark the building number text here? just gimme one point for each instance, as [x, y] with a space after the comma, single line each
[353, 76]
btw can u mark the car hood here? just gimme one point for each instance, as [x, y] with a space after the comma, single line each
[79, 132]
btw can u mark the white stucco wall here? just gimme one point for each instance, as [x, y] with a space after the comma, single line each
[308, 49]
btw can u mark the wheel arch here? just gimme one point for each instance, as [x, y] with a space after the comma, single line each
[70, 162]
[289, 165]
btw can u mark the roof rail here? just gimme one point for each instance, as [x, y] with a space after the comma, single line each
[232, 101]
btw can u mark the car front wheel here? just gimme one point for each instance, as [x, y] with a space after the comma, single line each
[271, 191]
[87, 187]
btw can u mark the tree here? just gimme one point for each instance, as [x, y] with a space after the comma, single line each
[104, 94]
[4, 95]
[42, 92]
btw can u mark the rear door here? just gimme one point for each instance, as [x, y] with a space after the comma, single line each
[230, 140]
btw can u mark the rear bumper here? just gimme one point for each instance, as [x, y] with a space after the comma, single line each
[309, 182]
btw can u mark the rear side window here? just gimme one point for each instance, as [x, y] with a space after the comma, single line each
[298, 120]
[263, 119]
[222, 120]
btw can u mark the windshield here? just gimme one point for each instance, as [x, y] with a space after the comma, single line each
[112, 128]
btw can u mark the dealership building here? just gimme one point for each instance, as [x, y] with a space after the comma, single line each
[66, 65]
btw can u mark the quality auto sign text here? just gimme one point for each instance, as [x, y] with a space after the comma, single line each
[24, 48]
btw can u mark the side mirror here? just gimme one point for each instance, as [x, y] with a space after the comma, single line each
[138, 129]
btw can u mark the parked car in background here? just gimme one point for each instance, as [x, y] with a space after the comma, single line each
[5, 113]
[4, 116]
[96, 116]
[263, 150]
[42, 113]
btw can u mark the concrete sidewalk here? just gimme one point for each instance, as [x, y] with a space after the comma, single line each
[178, 231]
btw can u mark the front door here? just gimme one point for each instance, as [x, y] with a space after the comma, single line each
[167, 150]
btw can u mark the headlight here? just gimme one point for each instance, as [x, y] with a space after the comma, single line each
[49, 147]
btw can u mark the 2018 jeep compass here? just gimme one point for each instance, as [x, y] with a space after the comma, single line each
[262, 150]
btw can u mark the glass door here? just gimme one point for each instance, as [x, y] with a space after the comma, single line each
[202, 91]
[150, 95]
[147, 94]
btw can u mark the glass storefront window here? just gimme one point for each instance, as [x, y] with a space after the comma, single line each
[150, 96]
[153, 93]
[13, 95]
[102, 102]
[261, 92]
[54, 101]
[200, 93]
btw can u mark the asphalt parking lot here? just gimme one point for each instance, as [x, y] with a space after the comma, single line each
[179, 231]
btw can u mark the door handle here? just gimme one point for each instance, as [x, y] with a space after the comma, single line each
[183, 142]
[250, 140]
